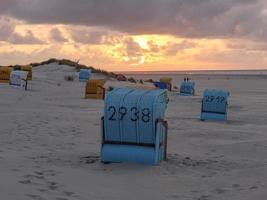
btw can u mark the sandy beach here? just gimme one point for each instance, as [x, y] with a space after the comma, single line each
[50, 144]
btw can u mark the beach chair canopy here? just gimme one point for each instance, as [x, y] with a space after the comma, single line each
[133, 126]
[214, 104]
[95, 89]
[84, 74]
[187, 88]
[167, 80]
[27, 68]
[5, 74]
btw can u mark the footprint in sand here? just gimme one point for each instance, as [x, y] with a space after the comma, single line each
[235, 185]
[174, 196]
[254, 187]
[90, 159]
[219, 191]
[204, 197]
[27, 181]
[15, 170]
[69, 194]
[42, 190]
[30, 176]
[52, 185]
[36, 197]
[61, 198]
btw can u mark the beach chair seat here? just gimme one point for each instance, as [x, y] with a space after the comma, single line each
[187, 88]
[214, 105]
[133, 126]
[27, 68]
[5, 74]
[95, 89]
[19, 79]
[84, 75]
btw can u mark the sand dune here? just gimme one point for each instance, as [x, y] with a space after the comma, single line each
[50, 142]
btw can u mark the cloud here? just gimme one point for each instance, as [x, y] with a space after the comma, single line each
[233, 58]
[28, 38]
[184, 18]
[57, 36]
[247, 46]
[130, 51]
[153, 47]
[86, 36]
[8, 33]
[7, 27]
[132, 48]
[172, 49]
[6, 5]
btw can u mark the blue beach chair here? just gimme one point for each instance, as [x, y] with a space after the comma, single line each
[84, 75]
[160, 85]
[187, 88]
[133, 126]
[214, 105]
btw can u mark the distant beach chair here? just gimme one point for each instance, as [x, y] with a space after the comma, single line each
[133, 126]
[121, 77]
[95, 89]
[160, 85]
[187, 88]
[27, 68]
[5, 74]
[84, 75]
[167, 81]
[214, 105]
[19, 79]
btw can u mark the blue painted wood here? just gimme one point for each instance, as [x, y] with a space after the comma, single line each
[214, 105]
[18, 78]
[84, 75]
[160, 85]
[187, 88]
[130, 117]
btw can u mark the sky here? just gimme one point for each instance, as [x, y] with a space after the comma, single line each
[136, 35]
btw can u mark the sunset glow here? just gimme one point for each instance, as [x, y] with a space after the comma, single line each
[152, 45]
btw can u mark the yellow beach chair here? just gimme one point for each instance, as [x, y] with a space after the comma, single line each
[167, 81]
[95, 89]
[5, 74]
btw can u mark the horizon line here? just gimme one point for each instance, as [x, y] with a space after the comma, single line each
[195, 70]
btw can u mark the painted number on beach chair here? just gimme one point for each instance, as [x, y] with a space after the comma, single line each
[112, 116]
[218, 99]
[123, 112]
[145, 115]
[134, 116]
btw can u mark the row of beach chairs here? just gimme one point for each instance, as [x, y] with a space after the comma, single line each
[133, 127]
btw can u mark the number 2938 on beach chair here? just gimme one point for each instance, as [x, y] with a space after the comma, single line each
[133, 126]
[214, 105]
